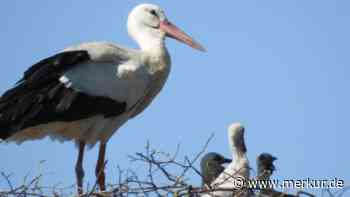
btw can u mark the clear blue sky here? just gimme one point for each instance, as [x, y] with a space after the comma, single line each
[280, 67]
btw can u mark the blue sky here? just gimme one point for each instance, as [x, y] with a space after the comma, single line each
[279, 67]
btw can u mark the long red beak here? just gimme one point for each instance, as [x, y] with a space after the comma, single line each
[176, 33]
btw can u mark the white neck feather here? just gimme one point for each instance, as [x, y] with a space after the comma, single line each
[147, 38]
[150, 43]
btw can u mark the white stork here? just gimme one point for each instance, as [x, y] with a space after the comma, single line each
[211, 167]
[86, 92]
[265, 168]
[228, 183]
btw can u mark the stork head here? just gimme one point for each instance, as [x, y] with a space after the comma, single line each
[148, 26]
[211, 166]
[214, 159]
[236, 138]
[265, 164]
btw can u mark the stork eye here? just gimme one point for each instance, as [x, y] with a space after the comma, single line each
[154, 13]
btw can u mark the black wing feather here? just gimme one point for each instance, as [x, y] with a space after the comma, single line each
[39, 97]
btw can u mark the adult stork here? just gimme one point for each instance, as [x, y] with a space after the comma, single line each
[86, 92]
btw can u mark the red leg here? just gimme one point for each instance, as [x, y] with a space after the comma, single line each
[99, 171]
[79, 171]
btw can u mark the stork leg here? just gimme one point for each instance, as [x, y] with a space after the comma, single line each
[99, 171]
[79, 171]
